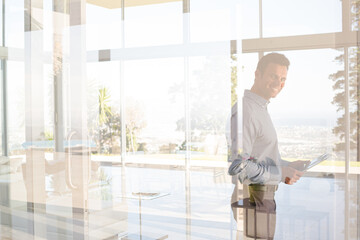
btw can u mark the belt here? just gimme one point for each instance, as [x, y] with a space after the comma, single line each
[263, 188]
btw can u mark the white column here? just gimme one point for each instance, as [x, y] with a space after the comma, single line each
[34, 114]
[79, 159]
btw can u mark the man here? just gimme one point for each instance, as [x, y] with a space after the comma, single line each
[260, 166]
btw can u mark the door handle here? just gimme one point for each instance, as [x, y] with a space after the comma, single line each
[68, 178]
[68, 163]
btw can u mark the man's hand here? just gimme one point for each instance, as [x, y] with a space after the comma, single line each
[293, 171]
[290, 175]
[299, 165]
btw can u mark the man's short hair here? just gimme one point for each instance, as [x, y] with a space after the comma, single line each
[276, 58]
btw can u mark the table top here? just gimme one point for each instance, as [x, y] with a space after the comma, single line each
[143, 195]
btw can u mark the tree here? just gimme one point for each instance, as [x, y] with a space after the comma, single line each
[234, 83]
[105, 120]
[107, 127]
[135, 122]
[338, 79]
[104, 108]
[210, 98]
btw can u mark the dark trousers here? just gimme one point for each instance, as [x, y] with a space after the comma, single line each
[264, 213]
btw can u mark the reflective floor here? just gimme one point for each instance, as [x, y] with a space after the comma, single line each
[168, 202]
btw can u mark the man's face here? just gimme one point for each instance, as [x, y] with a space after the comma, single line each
[271, 81]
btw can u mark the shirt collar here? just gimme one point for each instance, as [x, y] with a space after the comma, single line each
[262, 102]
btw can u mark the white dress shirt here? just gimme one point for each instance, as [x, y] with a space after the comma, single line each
[260, 160]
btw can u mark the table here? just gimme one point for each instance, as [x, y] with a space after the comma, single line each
[142, 236]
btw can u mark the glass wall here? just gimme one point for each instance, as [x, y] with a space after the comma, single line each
[319, 19]
[153, 24]
[154, 108]
[118, 117]
[14, 24]
[103, 32]
[16, 114]
[210, 102]
[103, 99]
[312, 122]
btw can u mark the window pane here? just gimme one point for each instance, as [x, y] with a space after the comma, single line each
[248, 63]
[16, 113]
[214, 20]
[354, 11]
[1, 24]
[248, 12]
[210, 96]
[354, 103]
[103, 27]
[156, 24]
[306, 112]
[306, 115]
[154, 110]
[354, 177]
[14, 23]
[103, 99]
[298, 17]
[2, 111]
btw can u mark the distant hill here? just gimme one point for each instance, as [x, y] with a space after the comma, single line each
[323, 122]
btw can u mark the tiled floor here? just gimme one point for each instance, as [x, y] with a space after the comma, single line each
[179, 204]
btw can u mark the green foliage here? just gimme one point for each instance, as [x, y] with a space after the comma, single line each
[339, 99]
[142, 147]
[210, 101]
[107, 129]
[135, 122]
[212, 93]
[168, 148]
[104, 108]
[234, 83]
[49, 135]
[107, 120]
[194, 148]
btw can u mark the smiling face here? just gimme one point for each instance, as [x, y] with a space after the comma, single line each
[270, 82]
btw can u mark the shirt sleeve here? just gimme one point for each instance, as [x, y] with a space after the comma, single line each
[249, 171]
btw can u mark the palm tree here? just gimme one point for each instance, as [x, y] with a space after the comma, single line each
[104, 108]
[105, 112]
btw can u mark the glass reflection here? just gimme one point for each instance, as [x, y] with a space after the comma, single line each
[258, 215]
[153, 24]
[213, 20]
[97, 140]
[152, 120]
[209, 108]
[103, 32]
[259, 167]
[327, 20]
